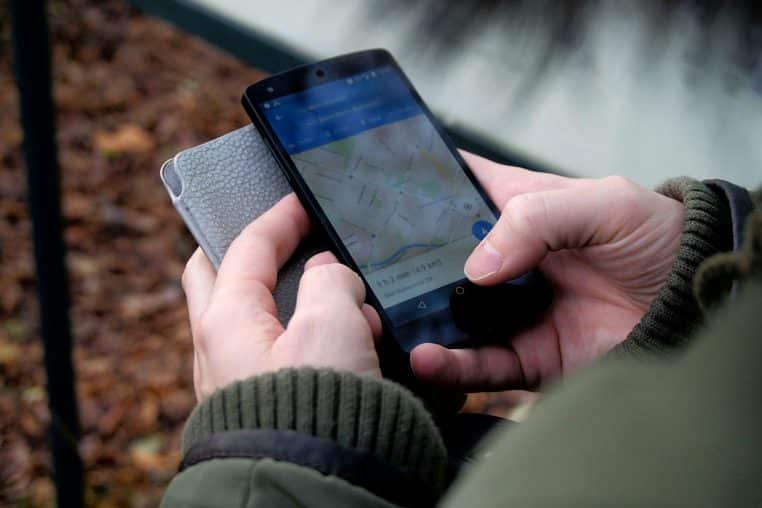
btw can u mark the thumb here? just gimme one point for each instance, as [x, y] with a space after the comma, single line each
[533, 224]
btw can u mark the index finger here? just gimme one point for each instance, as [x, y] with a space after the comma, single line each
[502, 182]
[257, 254]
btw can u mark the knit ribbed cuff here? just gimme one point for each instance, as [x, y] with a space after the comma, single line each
[358, 412]
[674, 314]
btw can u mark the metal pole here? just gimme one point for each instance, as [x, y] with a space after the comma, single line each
[31, 56]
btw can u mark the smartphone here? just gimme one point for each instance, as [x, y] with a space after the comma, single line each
[399, 205]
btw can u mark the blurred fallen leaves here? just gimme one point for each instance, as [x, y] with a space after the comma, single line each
[127, 139]
[9, 353]
[130, 93]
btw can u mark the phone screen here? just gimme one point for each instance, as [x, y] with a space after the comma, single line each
[400, 201]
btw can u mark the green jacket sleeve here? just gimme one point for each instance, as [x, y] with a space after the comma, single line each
[681, 430]
[238, 482]
[675, 314]
[310, 437]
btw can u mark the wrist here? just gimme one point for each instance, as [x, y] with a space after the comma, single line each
[674, 314]
[358, 413]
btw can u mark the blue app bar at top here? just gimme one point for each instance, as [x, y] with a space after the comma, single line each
[339, 109]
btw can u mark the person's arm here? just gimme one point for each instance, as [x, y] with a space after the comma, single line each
[682, 431]
[620, 259]
[675, 313]
[295, 415]
[309, 437]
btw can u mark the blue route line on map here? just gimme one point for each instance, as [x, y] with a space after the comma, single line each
[394, 257]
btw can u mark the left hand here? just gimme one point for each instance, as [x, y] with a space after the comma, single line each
[235, 325]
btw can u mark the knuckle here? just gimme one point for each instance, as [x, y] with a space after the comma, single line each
[253, 236]
[616, 180]
[294, 217]
[211, 320]
[523, 210]
[331, 273]
[619, 183]
[187, 272]
[206, 325]
[621, 189]
[308, 321]
[316, 274]
[227, 300]
[201, 333]
[520, 205]
[323, 257]
[345, 272]
[314, 258]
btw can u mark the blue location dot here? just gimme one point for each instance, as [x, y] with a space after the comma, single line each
[480, 229]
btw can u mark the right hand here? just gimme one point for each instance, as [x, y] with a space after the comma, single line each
[606, 246]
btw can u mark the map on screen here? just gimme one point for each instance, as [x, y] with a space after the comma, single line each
[388, 183]
[395, 193]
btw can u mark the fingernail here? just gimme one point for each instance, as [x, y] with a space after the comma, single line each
[484, 261]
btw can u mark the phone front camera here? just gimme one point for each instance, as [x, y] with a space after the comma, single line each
[319, 73]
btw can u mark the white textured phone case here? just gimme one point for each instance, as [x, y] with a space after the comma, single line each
[221, 186]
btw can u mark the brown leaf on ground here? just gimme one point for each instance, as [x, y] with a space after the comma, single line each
[126, 139]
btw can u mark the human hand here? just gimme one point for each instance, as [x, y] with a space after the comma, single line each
[235, 325]
[605, 245]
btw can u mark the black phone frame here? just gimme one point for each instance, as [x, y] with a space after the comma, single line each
[307, 76]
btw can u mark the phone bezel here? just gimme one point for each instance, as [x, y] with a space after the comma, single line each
[305, 77]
